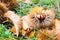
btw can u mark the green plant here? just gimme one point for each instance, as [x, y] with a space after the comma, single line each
[5, 34]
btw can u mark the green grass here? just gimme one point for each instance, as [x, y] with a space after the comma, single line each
[22, 10]
[5, 34]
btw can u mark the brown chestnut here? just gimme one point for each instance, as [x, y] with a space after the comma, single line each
[41, 17]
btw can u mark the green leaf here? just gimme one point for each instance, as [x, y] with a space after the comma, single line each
[35, 1]
[58, 15]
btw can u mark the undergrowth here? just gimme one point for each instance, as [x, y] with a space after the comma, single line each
[22, 10]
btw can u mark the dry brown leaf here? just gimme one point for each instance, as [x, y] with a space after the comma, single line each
[3, 9]
[10, 4]
[6, 5]
[13, 30]
[41, 36]
[31, 34]
[15, 20]
[57, 30]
